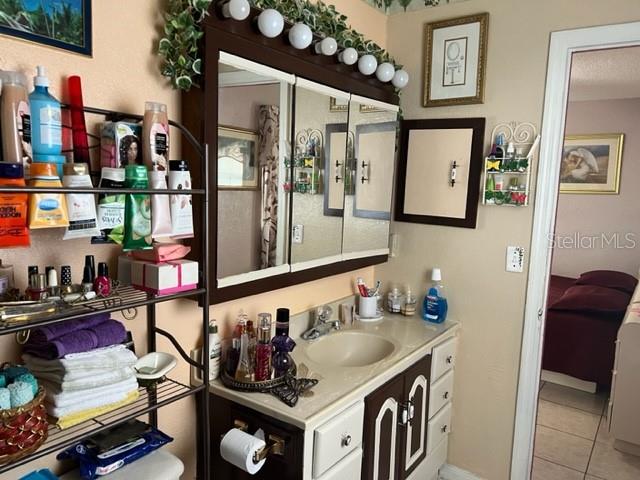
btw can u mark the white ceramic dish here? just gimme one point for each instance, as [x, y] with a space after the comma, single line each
[154, 366]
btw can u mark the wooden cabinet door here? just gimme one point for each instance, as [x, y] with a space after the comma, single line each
[413, 442]
[382, 411]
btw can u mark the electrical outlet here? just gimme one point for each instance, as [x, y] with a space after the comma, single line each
[298, 234]
[515, 259]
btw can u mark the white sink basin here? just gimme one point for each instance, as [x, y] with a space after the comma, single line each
[350, 349]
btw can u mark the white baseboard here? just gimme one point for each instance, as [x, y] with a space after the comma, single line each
[568, 381]
[451, 472]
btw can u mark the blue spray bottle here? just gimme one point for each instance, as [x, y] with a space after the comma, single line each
[435, 302]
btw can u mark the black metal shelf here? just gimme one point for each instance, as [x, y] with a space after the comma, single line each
[98, 190]
[127, 298]
[149, 400]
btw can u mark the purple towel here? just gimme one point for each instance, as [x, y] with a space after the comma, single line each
[74, 342]
[109, 333]
[48, 333]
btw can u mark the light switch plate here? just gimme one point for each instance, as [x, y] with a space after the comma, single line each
[515, 259]
[298, 234]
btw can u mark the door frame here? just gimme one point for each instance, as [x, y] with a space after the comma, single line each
[562, 45]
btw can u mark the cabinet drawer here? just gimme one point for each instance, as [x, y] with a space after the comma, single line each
[440, 393]
[346, 469]
[337, 438]
[438, 428]
[443, 358]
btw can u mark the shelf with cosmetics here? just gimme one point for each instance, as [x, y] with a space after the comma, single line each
[507, 169]
[73, 304]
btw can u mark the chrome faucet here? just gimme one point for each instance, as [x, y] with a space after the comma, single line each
[323, 323]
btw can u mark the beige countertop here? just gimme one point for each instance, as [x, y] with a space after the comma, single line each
[340, 387]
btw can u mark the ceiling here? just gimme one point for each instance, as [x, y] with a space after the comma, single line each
[605, 74]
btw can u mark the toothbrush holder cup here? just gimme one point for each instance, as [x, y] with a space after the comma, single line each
[368, 307]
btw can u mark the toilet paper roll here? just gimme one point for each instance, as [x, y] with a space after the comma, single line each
[237, 448]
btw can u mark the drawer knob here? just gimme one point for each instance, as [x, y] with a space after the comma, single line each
[346, 440]
[446, 395]
[444, 429]
[449, 359]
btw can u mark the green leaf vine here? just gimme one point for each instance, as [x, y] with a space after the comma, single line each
[182, 32]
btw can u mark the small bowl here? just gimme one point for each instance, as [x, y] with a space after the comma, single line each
[154, 366]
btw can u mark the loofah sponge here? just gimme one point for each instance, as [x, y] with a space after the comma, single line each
[5, 399]
[31, 380]
[21, 394]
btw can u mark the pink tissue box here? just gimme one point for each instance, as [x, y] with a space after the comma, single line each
[166, 277]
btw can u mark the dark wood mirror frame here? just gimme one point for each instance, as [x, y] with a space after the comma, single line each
[475, 170]
[200, 115]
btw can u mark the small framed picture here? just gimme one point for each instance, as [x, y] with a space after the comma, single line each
[591, 164]
[455, 51]
[237, 159]
[63, 24]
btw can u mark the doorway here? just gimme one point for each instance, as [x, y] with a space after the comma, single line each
[563, 49]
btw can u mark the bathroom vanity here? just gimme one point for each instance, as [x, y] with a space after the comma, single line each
[381, 409]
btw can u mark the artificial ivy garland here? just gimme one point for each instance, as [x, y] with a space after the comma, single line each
[386, 4]
[182, 31]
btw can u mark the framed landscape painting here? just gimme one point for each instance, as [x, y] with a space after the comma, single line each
[63, 24]
[237, 159]
[591, 164]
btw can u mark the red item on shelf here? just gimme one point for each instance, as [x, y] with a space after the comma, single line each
[78, 126]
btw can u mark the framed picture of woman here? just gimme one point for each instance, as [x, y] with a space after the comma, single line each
[237, 159]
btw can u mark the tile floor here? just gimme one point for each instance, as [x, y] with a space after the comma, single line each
[572, 441]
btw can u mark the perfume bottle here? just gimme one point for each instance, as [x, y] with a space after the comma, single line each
[244, 372]
[233, 354]
[253, 342]
[264, 348]
[282, 344]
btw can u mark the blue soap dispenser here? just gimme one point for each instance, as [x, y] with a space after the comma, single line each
[435, 301]
[46, 117]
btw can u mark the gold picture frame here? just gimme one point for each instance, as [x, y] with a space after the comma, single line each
[337, 106]
[455, 61]
[591, 164]
[238, 159]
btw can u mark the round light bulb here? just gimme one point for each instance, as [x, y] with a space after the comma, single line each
[327, 46]
[236, 9]
[270, 23]
[367, 64]
[300, 36]
[348, 56]
[400, 79]
[385, 72]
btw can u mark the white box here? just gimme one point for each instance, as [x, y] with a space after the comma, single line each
[165, 277]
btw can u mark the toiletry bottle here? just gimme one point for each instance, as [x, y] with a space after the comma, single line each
[253, 342]
[263, 348]
[155, 136]
[102, 283]
[37, 287]
[31, 270]
[394, 301]
[15, 119]
[46, 117]
[14, 208]
[87, 280]
[7, 271]
[282, 344]
[244, 372]
[215, 349]
[409, 303]
[233, 354]
[435, 302]
[111, 207]
[81, 206]
[137, 214]
[181, 206]
[46, 210]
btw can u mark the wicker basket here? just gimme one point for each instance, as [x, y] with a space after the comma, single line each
[23, 430]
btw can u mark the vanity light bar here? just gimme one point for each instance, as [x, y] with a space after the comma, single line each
[317, 87]
[244, 64]
[375, 103]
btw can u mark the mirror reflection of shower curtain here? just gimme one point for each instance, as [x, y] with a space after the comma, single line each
[268, 157]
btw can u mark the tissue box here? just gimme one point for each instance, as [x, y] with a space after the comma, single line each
[166, 277]
[124, 269]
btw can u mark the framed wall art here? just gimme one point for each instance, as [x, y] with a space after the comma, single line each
[455, 58]
[63, 24]
[237, 159]
[591, 164]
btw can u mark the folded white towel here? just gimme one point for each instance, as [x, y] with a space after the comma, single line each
[116, 356]
[65, 399]
[88, 404]
[65, 383]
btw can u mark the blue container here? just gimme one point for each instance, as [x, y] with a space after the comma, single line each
[46, 118]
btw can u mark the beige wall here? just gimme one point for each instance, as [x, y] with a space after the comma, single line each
[593, 215]
[367, 20]
[122, 74]
[488, 301]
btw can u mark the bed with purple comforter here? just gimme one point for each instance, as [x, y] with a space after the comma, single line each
[583, 318]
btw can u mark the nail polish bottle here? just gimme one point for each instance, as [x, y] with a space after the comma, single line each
[87, 281]
[89, 261]
[31, 270]
[53, 288]
[102, 283]
[65, 275]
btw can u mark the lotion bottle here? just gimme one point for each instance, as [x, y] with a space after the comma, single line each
[46, 117]
[215, 349]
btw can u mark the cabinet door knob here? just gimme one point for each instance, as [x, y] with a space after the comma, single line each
[449, 359]
[444, 429]
[346, 440]
[446, 395]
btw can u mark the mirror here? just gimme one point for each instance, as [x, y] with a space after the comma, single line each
[253, 204]
[316, 182]
[367, 204]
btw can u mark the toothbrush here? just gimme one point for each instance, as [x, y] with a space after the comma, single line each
[362, 287]
[373, 292]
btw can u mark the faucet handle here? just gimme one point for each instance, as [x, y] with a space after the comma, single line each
[323, 313]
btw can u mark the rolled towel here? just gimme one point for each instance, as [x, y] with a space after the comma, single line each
[31, 380]
[3, 380]
[5, 399]
[108, 333]
[74, 342]
[46, 334]
[20, 394]
[11, 373]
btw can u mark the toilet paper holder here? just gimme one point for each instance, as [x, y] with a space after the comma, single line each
[275, 444]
